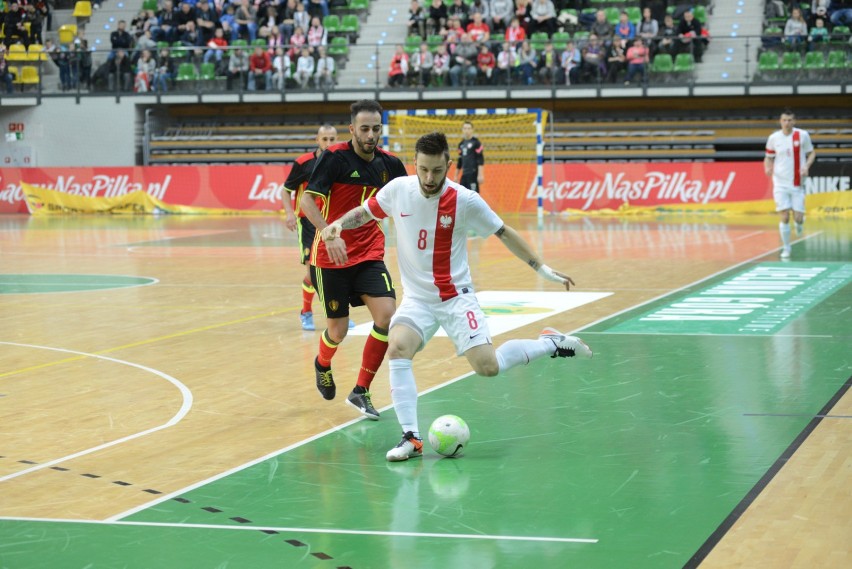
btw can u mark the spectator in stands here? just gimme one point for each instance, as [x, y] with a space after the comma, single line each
[543, 14]
[527, 62]
[14, 29]
[463, 70]
[316, 35]
[841, 13]
[625, 28]
[417, 19]
[184, 16]
[502, 12]
[82, 58]
[616, 60]
[398, 67]
[689, 32]
[819, 9]
[638, 57]
[45, 11]
[515, 35]
[571, 61]
[305, 67]
[228, 21]
[137, 24]
[273, 40]
[245, 17]
[438, 16]
[297, 41]
[189, 36]
[121, 38]
[648, 28]
[453, 32]
[441, 65]
[146, 66]
[478, 30]
[796, 29]
[523, 11]
[422, 62]
[458, 9]
[549, 66]
[594, 61]
[216, 48]
[206, 21]
[602, 28]
[165, 74]
[485, 63]
[482, 8]
[36, 20]
[301, 18]
[658, 8]
[167, 19]
[145, 41]
[119, 72]
[5, 74]
[506, 64]
[260, 67]
[818, 34]
[324, 75]
[281, 68]
[287, 25]
[317, 8]
[238, 66]
[667, 42]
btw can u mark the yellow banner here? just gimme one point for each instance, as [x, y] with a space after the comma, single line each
[42, 201]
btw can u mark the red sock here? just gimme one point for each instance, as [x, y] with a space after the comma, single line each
[374, 353]
[307, 295]
[327, 348]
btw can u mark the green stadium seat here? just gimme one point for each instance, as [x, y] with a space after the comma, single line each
[338, 48]
[186, 73]
[412, 44]
[538, 40]
[815, 64]
[359, 6]
[768, 65]
[434, 41]
[634, 14]
[149, 5]
[612, 15]
[836, 61]
[331, 23]
[208, 71]
[791, 61]
[350, 24]
[560, 40]
[700, 13]
[259, 42]
[840, 35]
[684, 63]
[661, 67]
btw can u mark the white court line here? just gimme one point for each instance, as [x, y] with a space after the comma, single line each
[273, 454]
[749, 235]
[184, 409]
[608, 333]
[316, 530]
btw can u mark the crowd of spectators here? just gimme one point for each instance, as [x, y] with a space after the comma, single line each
[806, 26]
[526, 42]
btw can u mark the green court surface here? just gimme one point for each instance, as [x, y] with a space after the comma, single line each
[52, 283]
[632, 459]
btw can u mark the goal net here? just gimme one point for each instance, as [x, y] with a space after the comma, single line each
[512, 141]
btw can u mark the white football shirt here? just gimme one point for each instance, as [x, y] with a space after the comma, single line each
[791, 154]
[431, 235]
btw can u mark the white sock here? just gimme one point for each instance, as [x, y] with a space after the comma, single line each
[404, 395]
[784, 229]
[522, 352]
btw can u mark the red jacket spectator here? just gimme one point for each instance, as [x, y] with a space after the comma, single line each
[260, 61]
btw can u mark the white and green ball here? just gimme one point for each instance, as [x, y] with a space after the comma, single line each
[449, 435]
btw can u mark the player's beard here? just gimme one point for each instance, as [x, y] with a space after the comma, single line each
[436, 189]
[363, 146]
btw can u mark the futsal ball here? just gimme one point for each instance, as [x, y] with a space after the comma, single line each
[448, 435]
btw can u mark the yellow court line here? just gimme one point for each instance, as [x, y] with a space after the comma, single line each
[149, 341]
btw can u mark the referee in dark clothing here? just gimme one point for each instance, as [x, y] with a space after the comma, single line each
[470, 167]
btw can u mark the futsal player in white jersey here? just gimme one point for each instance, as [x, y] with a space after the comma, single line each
[789, 157]
[432, 216]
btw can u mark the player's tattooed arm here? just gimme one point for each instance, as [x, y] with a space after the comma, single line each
[355, 217]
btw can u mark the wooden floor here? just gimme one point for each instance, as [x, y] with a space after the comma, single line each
[143, 356]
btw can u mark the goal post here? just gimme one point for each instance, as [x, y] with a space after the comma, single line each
[512, 140]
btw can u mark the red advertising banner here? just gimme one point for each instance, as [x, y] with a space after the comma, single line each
[508, 188]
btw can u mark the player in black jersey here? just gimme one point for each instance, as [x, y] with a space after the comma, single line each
[295, 219]
[470, 166]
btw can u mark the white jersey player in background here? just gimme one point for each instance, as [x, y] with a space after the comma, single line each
[789, 156]
[432, 216]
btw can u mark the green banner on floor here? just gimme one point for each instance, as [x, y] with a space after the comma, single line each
[758, 301]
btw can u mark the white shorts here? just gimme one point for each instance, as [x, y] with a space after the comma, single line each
[460, 317]
[789, 198]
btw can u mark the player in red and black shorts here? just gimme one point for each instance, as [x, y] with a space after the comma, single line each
[346, 175]
[295, 219]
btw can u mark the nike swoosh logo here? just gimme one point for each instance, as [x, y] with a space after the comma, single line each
[474, 336]
[406, 214]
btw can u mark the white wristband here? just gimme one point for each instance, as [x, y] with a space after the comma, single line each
[547, 273]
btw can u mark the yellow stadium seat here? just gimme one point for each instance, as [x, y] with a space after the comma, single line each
[16, 52]
[29, 76]
[67, 33]
[36, 52]
[82, 10]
